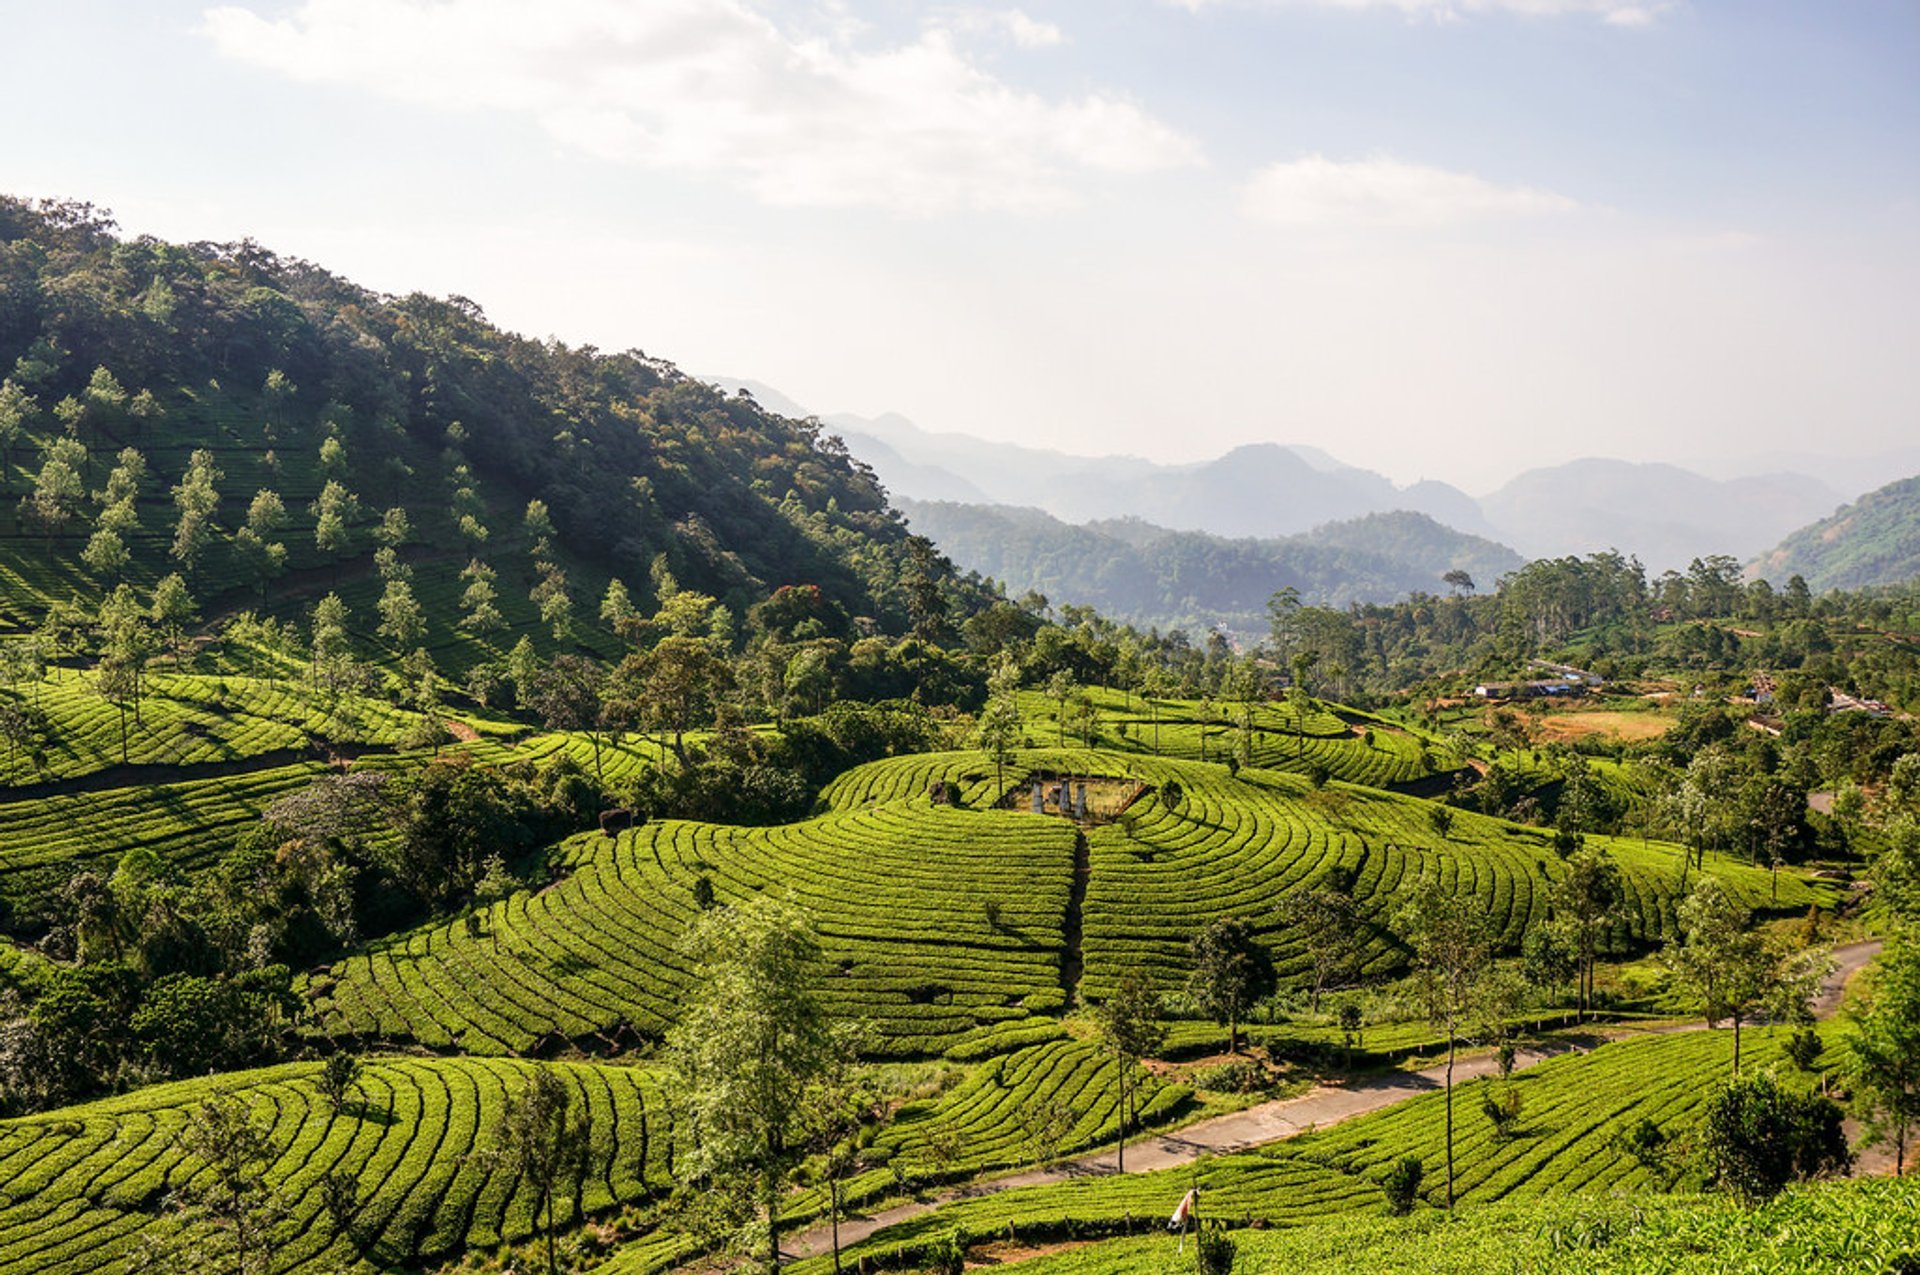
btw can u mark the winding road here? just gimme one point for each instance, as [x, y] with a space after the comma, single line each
[1327, 1104]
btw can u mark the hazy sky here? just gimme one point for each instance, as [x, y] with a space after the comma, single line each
[1441, 239]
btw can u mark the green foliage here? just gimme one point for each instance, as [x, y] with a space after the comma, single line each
[1402, 1184]
[1232, 971]
[1757, 1135]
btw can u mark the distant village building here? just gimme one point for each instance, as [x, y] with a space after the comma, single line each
[1568, 673]
[1555, 688]
[1839, 701]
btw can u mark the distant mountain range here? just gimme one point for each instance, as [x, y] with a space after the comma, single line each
[1874, 540]
[1664, 514]
[1149, 575]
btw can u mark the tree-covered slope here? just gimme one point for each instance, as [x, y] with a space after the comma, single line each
[1148, 574]
[1873, 541]
[152, 391]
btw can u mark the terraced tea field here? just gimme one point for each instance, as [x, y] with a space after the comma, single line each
[933, 922]
[1565, 1144]
[1275, 735]
[1824, 1228]
[419, 1139]
[188, 720]
[938, 920]
[190, 824]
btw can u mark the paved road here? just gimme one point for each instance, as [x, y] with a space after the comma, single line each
[1274, 1121]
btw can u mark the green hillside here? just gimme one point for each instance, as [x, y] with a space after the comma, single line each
[1873, 541]
[937, 921]
[1565, 1145]
[85, 1190]
[342, 404]
[1151, 575]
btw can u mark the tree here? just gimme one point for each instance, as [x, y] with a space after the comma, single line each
[671, 687]
[261, 555]
[1730, 970]
[1232, 972]
[196, 498]
[339, 1076]
[402, 619]
[57, 489]
[1060, 688]
[753, 1038]
[1327, 922]
[1756, 1136]
[545, 1146]
[173, 610]
[332, 650]
[1450, 936]
[233, 1194]
[1882, 1051]
[1584, 904]
[550, 594]
[333, 510]
[1000, 721]
[571, 695]
[17, 408]
[616, 606]
[479, 614]
[539, 525]
[1130, 1030]
[395, 528]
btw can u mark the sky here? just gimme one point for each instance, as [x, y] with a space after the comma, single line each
[1446, 239]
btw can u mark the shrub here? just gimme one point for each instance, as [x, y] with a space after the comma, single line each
[1646, 1142]
[1244, 1076]
[1804, 1048]
[1213, 1252]
[1402, 1184]
[1501, 1107]
[948, 1254]
[1441, 817]
[1755, 1137]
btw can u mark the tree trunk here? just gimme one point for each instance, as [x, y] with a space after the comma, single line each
[833, 1214]
[1449, 1120]
[773, 1222]
[1736, 1044]
[1121, 1159]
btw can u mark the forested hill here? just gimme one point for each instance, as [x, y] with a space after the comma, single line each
[1150, 575]
[1873, 541]
[251, 422]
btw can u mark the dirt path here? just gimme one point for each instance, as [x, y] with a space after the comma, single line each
[1327, 1104]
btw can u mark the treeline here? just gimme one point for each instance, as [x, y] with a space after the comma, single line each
[1604, 612]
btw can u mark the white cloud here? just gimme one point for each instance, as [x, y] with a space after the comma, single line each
[1320, 192]
[1012, 24]
[714, 86]
[1625, 13]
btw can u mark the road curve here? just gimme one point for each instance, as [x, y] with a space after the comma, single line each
[1327, 1104]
